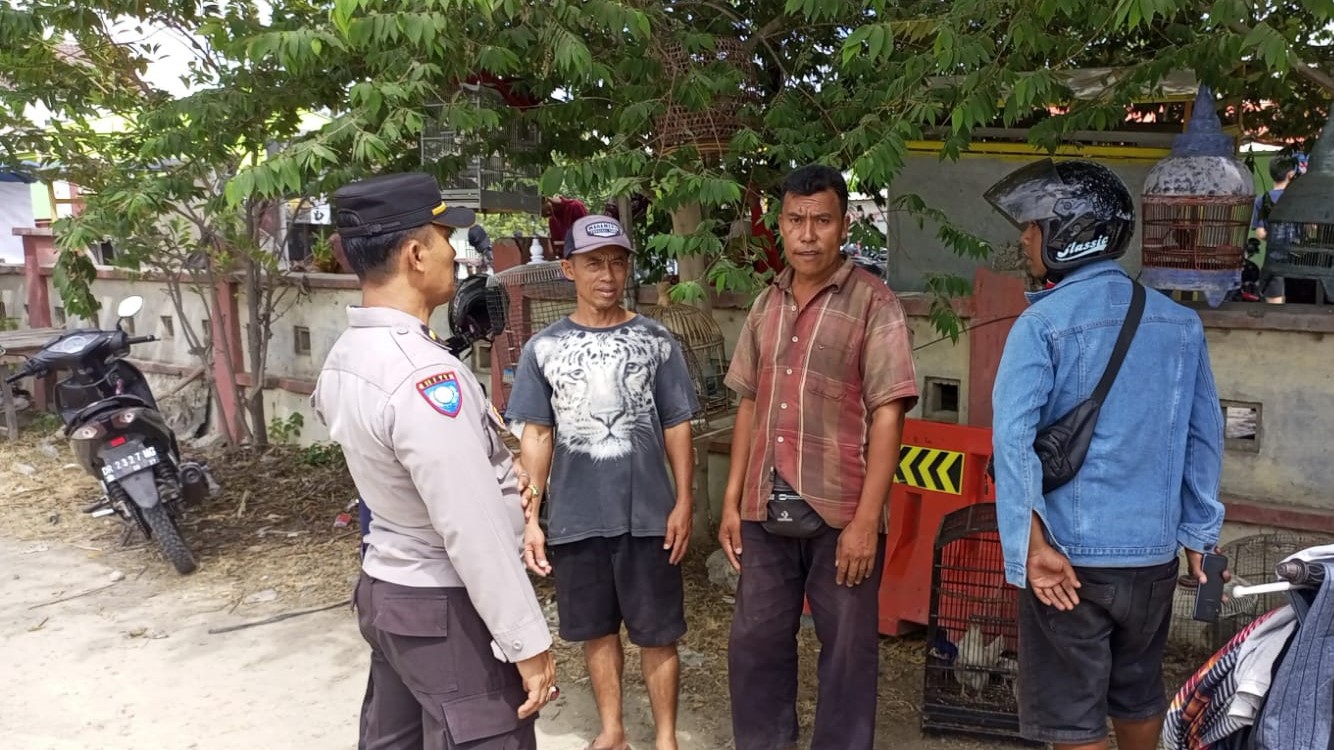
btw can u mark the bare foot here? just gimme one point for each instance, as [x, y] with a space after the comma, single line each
[610, 741]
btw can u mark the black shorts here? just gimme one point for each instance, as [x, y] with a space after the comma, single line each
[1103, 658]
[602, 582]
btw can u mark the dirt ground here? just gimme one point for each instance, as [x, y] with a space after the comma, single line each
[108, 647]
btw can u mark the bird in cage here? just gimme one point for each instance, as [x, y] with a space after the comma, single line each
[976, 658]
[942, 652]
[1009, 668]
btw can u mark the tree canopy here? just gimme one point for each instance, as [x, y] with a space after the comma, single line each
[690, 102]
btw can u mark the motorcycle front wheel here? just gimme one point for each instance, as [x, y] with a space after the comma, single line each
[163, 528]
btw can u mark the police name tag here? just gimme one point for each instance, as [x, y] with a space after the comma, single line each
[442, 393]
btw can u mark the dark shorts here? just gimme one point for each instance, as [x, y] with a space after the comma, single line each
[1103, 658]
[602, 582]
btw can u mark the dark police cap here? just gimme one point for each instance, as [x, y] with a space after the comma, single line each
[394, 203]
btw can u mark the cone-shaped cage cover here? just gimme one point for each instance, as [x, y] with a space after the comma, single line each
[1203, 160]
[1309, 199]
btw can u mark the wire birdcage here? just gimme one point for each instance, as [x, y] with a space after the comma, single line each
[1302, 251]
[972, 631]
[1251, 560]
[490, 182]
[701, 340]
[530, 297]
[521, 301]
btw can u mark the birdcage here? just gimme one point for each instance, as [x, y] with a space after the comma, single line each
[521, 301]
[1196, 209]
[708, 130]
[701, 341]
[487, 182]
[1300, 242]
[1251, 560]
[972, 635]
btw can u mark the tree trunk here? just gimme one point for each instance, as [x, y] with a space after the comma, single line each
[255, 339]
[693, 267]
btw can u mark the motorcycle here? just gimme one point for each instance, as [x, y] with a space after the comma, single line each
[119, 436]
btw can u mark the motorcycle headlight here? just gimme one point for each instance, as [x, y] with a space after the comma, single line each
[124, 418]
[86, 432]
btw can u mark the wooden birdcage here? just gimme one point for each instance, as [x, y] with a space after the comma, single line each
[708, 130]
[1196, 233]
[701, 341]
[1197, 210]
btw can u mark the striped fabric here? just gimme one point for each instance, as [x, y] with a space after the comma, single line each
[1199, 708]
[816, 375]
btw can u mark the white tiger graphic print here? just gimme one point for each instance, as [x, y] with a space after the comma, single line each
[602, 387]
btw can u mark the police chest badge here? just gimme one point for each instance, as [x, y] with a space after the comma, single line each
[442, 393]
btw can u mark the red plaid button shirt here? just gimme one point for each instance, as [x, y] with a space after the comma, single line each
[816, 376]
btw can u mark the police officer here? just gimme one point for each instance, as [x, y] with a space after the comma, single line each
[460, 649]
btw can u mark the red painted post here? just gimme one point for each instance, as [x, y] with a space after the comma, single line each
[225, 327]
[38, 245]
[996, 297]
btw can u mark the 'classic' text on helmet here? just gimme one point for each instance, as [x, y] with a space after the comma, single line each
[1084, 210]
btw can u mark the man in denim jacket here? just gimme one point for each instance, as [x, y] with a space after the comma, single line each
[1097, 557]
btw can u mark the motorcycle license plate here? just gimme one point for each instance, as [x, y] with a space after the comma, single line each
[123, 466]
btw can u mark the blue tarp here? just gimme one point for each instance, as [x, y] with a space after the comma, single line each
[24, 171]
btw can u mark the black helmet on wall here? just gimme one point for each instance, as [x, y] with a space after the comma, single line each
[1084, 210]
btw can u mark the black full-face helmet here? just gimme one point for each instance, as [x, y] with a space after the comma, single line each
[1083, 209]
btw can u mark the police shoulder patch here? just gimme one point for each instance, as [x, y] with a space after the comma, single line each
[442, 392]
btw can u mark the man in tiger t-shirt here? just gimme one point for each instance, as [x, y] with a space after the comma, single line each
[601, 395]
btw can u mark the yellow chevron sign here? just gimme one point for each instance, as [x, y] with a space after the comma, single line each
[930, 469]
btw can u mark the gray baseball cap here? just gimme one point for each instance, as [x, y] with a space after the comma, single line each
[594, 231]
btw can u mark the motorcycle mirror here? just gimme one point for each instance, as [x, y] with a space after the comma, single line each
[130, 306]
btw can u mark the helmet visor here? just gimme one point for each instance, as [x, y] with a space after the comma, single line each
[1028, 194]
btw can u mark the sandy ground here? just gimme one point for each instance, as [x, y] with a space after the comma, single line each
[105, 646]
[133, 666]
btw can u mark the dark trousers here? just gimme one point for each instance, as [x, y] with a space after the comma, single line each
[776, 572]
[434, 683]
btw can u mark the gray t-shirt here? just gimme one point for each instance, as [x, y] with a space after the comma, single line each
[609, 393]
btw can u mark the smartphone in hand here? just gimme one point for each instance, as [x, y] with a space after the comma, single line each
[1209, 595]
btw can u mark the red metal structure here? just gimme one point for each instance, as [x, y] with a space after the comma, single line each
[942, 468]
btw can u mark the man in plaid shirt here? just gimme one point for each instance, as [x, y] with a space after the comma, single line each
[825, 374]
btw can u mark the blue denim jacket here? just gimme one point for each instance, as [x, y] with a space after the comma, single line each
[1149, 484]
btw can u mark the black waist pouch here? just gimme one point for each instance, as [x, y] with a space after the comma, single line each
[790, 515]
[1062, 446]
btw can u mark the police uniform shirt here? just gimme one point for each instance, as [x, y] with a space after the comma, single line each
[424, 448]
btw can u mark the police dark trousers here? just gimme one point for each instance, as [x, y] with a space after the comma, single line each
[762, 654]
[434, 683]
